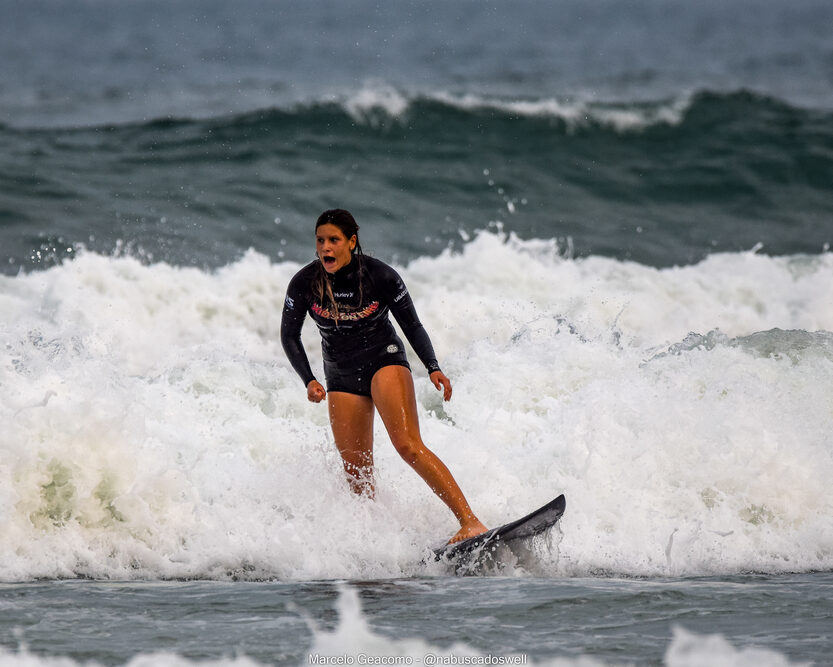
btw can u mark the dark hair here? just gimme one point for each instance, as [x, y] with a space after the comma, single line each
[342, 219]
[348, 226]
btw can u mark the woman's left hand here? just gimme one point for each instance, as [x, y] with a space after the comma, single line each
[441, 382]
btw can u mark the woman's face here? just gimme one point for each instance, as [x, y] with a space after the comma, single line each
[334, 249]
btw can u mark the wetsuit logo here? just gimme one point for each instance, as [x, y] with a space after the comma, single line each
[392, 349]
[349, 316]
[290, 302]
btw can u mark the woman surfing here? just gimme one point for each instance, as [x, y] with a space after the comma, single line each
[348, 295]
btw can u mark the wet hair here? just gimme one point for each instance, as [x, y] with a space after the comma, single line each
[322, 287]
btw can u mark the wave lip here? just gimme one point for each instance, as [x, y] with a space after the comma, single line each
[365, 105]
[378, 102]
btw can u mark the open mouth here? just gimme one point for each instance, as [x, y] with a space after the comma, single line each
[328, 261]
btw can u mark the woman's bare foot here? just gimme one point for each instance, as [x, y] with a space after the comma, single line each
[469, 530]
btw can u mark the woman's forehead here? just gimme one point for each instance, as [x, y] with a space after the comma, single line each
[329, 229]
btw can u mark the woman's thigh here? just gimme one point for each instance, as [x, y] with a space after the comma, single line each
[351, 418]
[392, 390]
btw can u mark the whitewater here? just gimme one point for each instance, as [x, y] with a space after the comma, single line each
[153, 429]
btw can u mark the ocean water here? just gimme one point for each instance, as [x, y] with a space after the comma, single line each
[423, 621]
[615, 220]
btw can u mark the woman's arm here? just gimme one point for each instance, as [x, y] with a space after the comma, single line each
[402, 306]
[292, 321]
[404, 311]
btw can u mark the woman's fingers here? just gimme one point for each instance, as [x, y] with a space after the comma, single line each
[442, 383]
[315, 392]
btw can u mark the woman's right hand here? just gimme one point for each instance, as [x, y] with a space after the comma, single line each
[315, 392]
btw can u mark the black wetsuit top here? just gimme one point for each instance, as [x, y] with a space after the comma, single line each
[363, 329]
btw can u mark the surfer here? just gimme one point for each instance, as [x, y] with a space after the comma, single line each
[348, 295]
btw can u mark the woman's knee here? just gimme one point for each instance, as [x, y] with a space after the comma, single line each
[409, 448]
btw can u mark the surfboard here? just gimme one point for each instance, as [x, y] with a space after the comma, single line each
[532, 524]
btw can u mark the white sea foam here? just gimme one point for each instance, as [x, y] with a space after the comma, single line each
[575, 112]
[152, 427]
[370, 98]
[25, 658]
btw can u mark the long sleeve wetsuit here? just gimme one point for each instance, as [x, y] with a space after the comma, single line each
[360, 335]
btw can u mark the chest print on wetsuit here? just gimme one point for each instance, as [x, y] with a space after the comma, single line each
[346, 313]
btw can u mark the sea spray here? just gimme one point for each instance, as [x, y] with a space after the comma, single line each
[153, 428]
